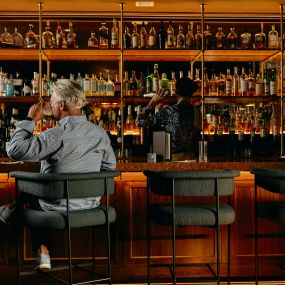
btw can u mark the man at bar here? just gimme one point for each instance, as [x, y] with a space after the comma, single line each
[177, 119]
[75, 145]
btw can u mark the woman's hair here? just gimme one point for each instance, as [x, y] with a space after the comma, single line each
[69, 91]
[186, 87]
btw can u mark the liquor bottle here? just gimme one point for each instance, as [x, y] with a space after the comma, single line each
[103, 36]
[79, 79]
[148, 82]
[35, 84]
[208, 38]
[180, 74]
[130, 122]
[189, 39]
[6, 39]
[18, 41]
[152, 37]
[93, 41]
[220, 39]
[260, 39]
[155, 79]
[222, 85]
[109, 86]
[213, 90]
[58, 36]
[101, 85]
[198, 38]
[71, 37]
[18, 84]
[135, 37]
[53, 78]
[115, 35]
[232, 39]
[206, 84]
[173, 84]
[47, 38]
[161, 36]
[198, 81]
[251, 84]
[243, 83]
[226, 117]
[10, 91]
[94, 85]
[266, 81]
[235, 82]
[30, 39]
[45, 86]
[126, 85]
[127, 39]
[180, 41]
[170, 37]
[111, 121]
[87, 85]
[27, 90]
[245, 40]
[273, 83]
[259, 88]
[229, 83]
[119, 128]
[133, 84]
[143, 37]
[141, 85]
[273, 38]
[117, 86]
[164, 82]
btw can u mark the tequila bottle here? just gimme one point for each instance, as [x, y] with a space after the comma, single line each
[232, 39]
[273, 38]
[152, 37]
[115, 35]
[220, 42]
[245, 40]
[103, 36]
[109, 86]
[180, 42]
[58, 36]
[198, 38]
[208, 38]
[127, 39]
[30, 39]
[143, 37]
[135, 37]
[71, 37]
[101, 85]
[260, 39]
[47, 38]
[170, 40]
[18, 40]
[92, 41]
[6, 39]
[189, 39]
[161, 36]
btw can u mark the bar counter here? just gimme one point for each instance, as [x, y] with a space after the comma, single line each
[129, 231]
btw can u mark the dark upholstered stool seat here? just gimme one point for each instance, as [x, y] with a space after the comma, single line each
[58, 220]
[192, 214]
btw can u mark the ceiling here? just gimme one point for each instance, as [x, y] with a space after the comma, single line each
[215, 8]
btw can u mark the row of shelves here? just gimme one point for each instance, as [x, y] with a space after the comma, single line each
[136, 55]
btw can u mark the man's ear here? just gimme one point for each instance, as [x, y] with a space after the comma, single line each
[63, 106]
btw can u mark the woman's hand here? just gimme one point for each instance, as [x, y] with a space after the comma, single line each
[158, 97]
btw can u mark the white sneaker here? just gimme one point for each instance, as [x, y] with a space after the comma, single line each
[42, 262]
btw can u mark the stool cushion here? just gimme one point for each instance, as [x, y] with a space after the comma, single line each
[191, 214]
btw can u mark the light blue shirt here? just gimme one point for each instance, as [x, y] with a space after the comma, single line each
[76, 145]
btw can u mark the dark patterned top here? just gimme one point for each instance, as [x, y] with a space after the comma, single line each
[177, 120]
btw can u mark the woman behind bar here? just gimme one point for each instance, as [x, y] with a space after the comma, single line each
[177, 119]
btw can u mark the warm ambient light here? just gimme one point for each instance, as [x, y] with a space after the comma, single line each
[144, 3]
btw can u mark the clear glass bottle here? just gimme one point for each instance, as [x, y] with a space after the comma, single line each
[161, 36]
[251, 84]
[229, 83]
[260, 39]
[198, 81]
[47, 38]
[94, 85]
[71, 37]
[222, 84]
[18, 84]
[110, 90]
[152, 37]
[220, 39]
[170, 40]
[155, 79]
[35, 84]
[79, 79]
[103, 36]
[232, 39]
[30, 39]
[126, 84]
[101, 85]
[133, 84]
[180, 40]
[173, 84]
[143, 37]
[10, 90]
[245, 40]
[259, 88]
[87, 85]
[127, 39]
[208, 38]
[189, 39]
[243, 87]
[58, 36]
[135, 37]
[130, 122]
[18, 41]
[206, 84]
[198, 38]
[273, 38]
[93, 41]
[235, 83]
[45, 86]
[213, 90]
[164, 82]
[6, 39]
[115, 35]
[266, 81]
[27, 90]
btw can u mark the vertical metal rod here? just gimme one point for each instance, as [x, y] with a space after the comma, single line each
[281, 77]
[202, 69]
[256, 264]
[40, 4]
[218, 231]
[148, 239]
[173, 233]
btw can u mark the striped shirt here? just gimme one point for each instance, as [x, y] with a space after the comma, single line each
[76, 145]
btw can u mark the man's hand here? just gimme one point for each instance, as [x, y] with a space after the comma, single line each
[36, 112]
[158, 97]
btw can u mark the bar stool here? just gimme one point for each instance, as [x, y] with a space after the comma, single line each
[196, 184]
[272, 180]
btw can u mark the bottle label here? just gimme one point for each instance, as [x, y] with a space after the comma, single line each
[273, 88]
[258, 89]
[243, 85]
[155, 84]
[114, 38]
[151, 41]
[135, 42]
[228, 87]
[86, 85]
